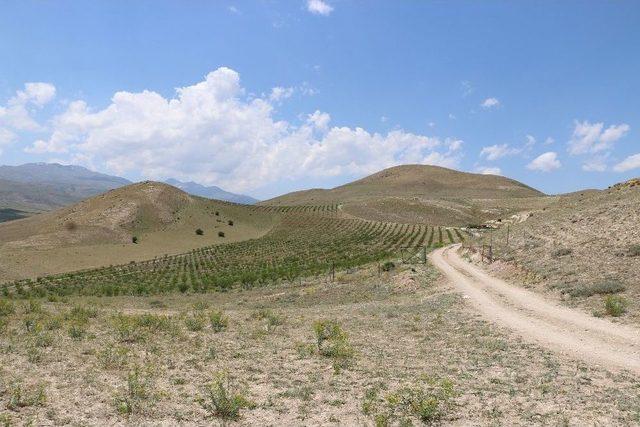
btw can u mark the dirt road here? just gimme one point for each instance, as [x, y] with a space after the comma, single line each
[561, 329]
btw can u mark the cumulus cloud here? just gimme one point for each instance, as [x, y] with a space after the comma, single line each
[631, 162]
[212, 133]
[17, 114]
[593, 138]
[546, 162]
[319, 7]
[319, 120]
[490, 103]
[280, 93]
[489, 170]
[497, 151]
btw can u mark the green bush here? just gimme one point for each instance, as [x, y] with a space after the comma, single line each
[137, 392]
[220, 233]
[603, 288]
[218, 321]
[333, 342]
[223, 401]
[427, 403]
[6, 308]
[194, 322]
[615, 305]
[134, 239]
[230, 222]
[388, 266]
[199, 231]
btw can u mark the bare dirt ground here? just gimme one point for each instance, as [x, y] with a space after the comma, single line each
[413, 352]
[571, 332]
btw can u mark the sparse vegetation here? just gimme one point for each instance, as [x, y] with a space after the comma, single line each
[332, 342]
[388, 266]
[560, 252]
[134, 239]
[615, 305]
[218, 321]
[199, 231]
[220, 233]
[601, 288]
[223, 400]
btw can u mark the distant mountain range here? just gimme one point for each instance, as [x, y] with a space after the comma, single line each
[40, 187]
[212, 192]
[37, 187]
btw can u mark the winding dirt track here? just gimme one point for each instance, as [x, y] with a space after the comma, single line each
[570, 332]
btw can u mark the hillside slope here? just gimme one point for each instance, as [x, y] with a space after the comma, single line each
[100, 230]
[423, 181]
[581, 247]
[423, 194]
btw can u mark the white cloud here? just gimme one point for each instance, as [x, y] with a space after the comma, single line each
[452, 116]
[319, 7]
[549, 141]
[497, 151]
[18, 112]
[489, 170]
[595, 164]
[490, 103]
[631, 162]
[280, 93]
[319, 120]
[212, 133]
[531, 141]
[590, 137]
[545, 162]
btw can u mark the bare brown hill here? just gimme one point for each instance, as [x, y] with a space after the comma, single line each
[100, 230]
[581, 248]
[423, 194]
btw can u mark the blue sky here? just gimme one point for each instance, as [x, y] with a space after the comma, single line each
[278, 96]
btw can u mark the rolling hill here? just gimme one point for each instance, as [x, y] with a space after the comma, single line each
[100, 230]
[423, 194]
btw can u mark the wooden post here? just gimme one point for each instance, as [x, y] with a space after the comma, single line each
[507, 234]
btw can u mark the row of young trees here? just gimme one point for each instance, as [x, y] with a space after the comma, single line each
[302, 245]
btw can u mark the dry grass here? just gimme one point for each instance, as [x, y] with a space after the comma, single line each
[416, 355]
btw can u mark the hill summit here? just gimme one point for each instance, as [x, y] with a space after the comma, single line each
[422, 181]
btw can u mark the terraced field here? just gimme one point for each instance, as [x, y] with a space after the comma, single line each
[307, 241]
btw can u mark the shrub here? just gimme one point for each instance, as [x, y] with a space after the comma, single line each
[136, 393]
[562, 252]
[218, 321]
[199, 231]
[194, 322]
[602, 288]
[427, 403]
[230, 222]
[272, 319]
[134, 239]
[332, 342]
[388, 266]
[20, 397]
[223, 401]
[633, 251]
[70, 226]
[217, 213]
[220, 233]
[6, 308]
[615, 305]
